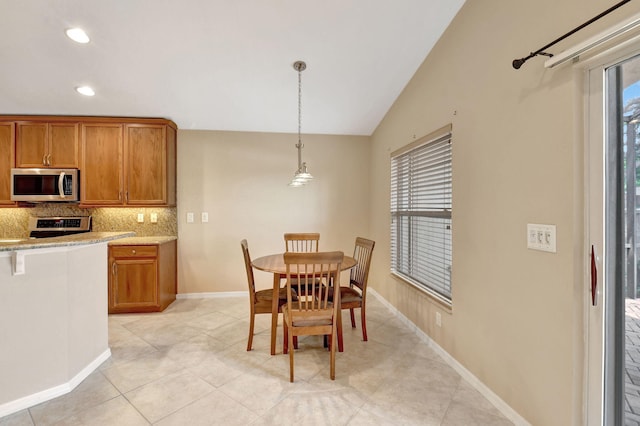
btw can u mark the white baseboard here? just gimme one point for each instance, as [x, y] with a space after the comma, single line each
[212, 295]
[502, 406]
[54, 392]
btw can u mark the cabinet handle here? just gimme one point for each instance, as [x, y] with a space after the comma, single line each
[44, 160]
[114, 271]
[120, 196]
[49, 160]
[133, 252]
[126, 197]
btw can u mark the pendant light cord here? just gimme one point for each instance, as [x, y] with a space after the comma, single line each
[299, 106]
[299, 145]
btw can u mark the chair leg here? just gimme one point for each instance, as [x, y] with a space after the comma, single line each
[353, 318]
[291, 357]
[364, 323]
[285, 338]
[339, 332]
[251, 323]
[332, 368]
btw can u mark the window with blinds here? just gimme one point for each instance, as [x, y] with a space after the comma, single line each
[421, 213]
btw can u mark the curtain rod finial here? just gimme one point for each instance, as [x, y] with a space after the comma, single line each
[517, 63]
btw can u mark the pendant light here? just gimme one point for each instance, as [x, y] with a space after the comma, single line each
[302, 175]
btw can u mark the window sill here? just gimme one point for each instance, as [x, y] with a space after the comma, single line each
[434, 297]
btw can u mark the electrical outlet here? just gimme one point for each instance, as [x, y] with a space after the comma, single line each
[189, 217]
[438, 319]
[205, 217]
[140, 217]
[153, 217]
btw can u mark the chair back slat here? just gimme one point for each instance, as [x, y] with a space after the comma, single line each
[302, 242]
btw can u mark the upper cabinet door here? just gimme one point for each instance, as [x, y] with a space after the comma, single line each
[31, 145]
[63, 145]
[47, 145]
[101, 180]
[7, 136]
[146, 164]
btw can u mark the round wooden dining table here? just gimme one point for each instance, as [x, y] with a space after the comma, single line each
[274, 263]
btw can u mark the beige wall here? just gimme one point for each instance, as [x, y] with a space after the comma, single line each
[241, 179]
[517, 318]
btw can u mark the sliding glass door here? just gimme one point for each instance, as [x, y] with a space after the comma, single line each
[612, 177]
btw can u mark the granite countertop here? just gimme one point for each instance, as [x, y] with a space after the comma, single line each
[160, 239]
[63, 241]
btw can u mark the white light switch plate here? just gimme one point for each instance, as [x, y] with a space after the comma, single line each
[541, 237]
[189, 217]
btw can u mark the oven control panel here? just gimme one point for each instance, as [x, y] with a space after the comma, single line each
[40, 227]
[59, 223]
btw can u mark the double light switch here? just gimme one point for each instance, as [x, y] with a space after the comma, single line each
[204, 217]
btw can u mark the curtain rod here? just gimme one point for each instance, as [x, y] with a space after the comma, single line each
[575, 51]
[517, 63]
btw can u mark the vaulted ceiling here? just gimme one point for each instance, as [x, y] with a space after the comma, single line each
[218, 64]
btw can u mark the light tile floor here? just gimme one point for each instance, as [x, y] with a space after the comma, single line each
[189, 366]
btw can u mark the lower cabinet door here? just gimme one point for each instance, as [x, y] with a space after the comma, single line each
[134, 285]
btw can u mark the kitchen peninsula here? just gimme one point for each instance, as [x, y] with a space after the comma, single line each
[53, 315]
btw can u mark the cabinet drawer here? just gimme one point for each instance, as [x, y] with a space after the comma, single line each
[137, 251]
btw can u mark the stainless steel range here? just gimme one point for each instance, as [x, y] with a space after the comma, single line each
[42, 227]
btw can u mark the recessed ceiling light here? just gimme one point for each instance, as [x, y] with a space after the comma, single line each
[85, 90]
[78, 35]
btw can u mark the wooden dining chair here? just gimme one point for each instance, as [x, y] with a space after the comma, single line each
[301, 242]
[355, 295]
[314, 315]
[260, 301]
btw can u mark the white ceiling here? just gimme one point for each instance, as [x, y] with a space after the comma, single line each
[218, 64]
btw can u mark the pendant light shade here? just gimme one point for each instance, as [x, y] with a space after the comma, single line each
[302, 176]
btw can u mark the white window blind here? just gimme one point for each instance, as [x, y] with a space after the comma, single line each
[421, 212]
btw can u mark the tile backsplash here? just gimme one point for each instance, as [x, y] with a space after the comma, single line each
[14, 221]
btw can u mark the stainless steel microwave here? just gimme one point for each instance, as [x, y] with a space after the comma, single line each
[45, 185]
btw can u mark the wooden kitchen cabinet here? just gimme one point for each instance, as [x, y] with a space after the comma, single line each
[142, 277]
[101, 173]
[122, 161]
[41, 144]
[150, 170]
[128, 164]
[7, 158]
